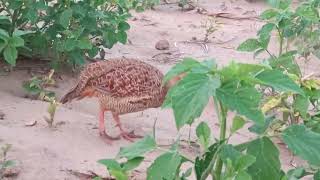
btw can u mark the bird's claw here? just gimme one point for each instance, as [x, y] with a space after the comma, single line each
[130, 136]
[108, 139]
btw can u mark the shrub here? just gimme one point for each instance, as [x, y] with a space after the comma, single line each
[63, 30]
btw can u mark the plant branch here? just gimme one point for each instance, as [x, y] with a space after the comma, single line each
[223, 127]
[281, 41]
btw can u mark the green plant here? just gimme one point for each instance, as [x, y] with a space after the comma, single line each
[63, 30]
[37, 87]
[233, 88]
[258, 94]
[298, 35]
[51, 110]
[210, 25]
[4, 162]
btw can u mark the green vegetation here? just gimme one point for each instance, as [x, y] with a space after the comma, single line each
[63, 31]
[274, 96]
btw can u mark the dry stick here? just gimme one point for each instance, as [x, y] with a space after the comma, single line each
[227, 15]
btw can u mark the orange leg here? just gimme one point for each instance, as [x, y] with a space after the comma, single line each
[126, 135]
[102, 130]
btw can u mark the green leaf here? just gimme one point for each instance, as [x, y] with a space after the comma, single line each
[132, 163]
[265, 33]
[110, 164]
[18, 32]
[139, 148]
[7, 164]
[10, 55]
[238, 161]
[70, 44]
[193, 95]
[301, 105]
[267, 164]
[308, 12]
[244, 161]
[4, 35]
[179, 68]
[284, 4]
[260, 129]
[286, 63]
[268, 14]
[241, 72]
[32, 15]
[93, 52]
[164, 167]
[249, 45]
[77, 57]
[123, 26]
[237, 123]
[65, 18]
[205, 66]
[16, 41]
[296, 173]
[279, 81]
[229, 152]
[203, 133]
[84, 43]
[110, 39]
[122, 37]
[202, 162]
[303, 142]
[243, 99]
[242, 175]
[114, 169]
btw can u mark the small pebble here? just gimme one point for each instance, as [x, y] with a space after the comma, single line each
[162, 45]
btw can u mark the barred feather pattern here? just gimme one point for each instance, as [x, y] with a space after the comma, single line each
[122, 85]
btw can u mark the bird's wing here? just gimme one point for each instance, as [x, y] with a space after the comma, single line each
[130, 81]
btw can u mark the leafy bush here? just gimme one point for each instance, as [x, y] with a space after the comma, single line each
[235, 87]
[300, 28]
[63, 30]
[257, 93]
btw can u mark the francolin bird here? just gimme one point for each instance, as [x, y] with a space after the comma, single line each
[122, 86]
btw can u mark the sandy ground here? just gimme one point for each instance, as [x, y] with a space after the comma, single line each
[44, 153]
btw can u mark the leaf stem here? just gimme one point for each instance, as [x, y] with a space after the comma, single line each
[223, 126]
[221, 116]
[281, 41]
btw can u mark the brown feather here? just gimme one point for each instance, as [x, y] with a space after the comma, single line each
[121, 85]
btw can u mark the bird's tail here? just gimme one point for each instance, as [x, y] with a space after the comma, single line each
[72, 94]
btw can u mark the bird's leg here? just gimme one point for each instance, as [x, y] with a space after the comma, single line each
[126, 135]
[102, 130]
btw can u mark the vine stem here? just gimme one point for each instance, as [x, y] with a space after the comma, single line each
[281, 41]
[222, 119]
[221, 113]
[223, 126]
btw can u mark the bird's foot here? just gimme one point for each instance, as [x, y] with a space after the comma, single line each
[130, 135]
[108, 139]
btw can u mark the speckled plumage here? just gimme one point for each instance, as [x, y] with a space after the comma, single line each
[121, 85]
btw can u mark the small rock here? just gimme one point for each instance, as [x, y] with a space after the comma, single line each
[31, 123]
[162, 45]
